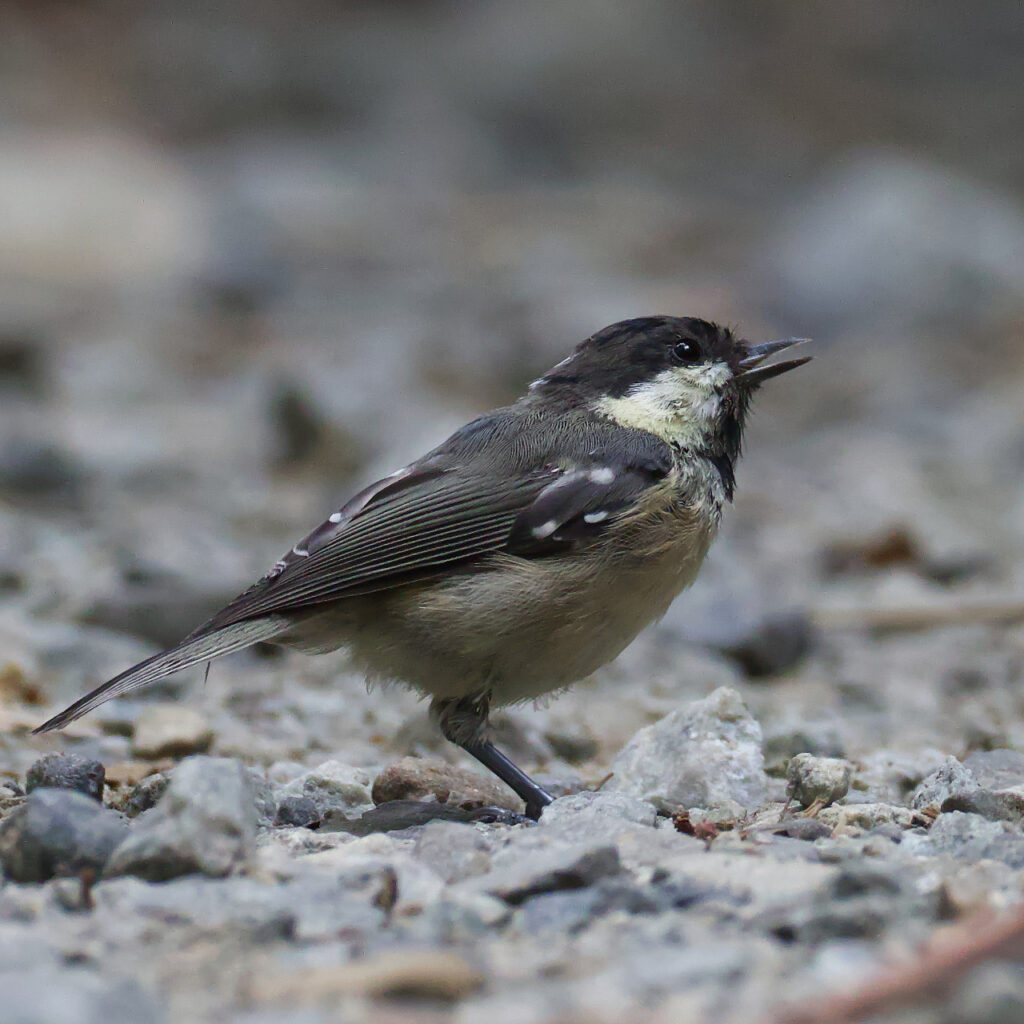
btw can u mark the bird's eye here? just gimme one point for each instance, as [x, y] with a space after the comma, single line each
[686, 351]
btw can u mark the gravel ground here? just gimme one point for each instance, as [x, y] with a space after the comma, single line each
[252, 265]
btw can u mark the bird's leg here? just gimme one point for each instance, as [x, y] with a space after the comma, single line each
[464, 722]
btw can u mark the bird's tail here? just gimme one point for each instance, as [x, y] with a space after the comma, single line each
[191, 651]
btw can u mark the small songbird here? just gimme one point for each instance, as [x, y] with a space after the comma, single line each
[525, 551]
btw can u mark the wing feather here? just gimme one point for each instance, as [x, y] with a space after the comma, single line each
[425, 526]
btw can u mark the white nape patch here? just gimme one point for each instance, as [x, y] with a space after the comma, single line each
[540, 380]
[680, 405]
[335, 517]
[545, 529]
[596, 517]
[604, 475]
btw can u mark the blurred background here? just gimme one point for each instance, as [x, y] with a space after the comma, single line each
[254, 254]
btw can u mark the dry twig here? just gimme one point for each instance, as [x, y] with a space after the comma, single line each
[958, 613]
[943, 961]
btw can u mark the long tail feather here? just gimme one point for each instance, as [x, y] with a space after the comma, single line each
[191, 651]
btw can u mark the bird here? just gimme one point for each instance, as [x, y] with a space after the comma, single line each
[525, 551]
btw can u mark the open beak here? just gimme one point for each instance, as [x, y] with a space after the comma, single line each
[754, 374]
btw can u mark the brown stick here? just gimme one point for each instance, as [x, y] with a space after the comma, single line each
[943, 961]
[963, 613]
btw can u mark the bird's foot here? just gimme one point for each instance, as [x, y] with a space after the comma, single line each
[501, 816]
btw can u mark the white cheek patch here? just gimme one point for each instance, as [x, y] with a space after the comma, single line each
[708, 409]
[713, 376]
[680, 405]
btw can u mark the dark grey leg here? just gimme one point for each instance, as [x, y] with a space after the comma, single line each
[535, 798]
[464, 722]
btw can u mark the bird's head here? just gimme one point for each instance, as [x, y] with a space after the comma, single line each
[687, 380]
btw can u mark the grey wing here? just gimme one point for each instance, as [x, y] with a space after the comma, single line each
[408, 526]
[580, 507]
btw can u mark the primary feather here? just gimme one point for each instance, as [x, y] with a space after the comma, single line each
[191, 651]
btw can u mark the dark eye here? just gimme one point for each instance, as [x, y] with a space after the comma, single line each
[686, 351]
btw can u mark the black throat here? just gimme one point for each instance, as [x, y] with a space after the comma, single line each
[724, 449]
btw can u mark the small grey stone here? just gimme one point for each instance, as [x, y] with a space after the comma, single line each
[950, 779]
[171, 730]
[805, 828]
[519, 874]
[991, 784]
[332, 786]
[241, 907]
[453, 851]
[725, 813]
[972, 837]
[868, 816]
[863, 879]
[817, 780]
[57, 832]
[145, 794]
[888, 830]
[297, 811]
[263, 796]
[595, 812]
[309, 905]
[888, 776]
[860, 901]
[997, 769]
[572, 910]
[67, 771]
[205, 823]
[996, 805]
[10, 789]
[698, 756]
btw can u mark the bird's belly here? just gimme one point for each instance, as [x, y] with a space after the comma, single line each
[518, 627]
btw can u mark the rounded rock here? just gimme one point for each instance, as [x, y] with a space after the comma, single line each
[297, 812]
[57, 832]
[170, 730]
[431, 778]
[704, 755]
[817, 780]
[67, 771]
[204, 823]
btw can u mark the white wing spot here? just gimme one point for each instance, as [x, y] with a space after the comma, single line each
[596, 517]
[301, 552]
[335, 517]
[545, 529]
[604, 475]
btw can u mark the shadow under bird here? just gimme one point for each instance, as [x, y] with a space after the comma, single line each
[525, 551]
